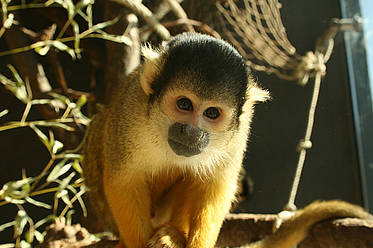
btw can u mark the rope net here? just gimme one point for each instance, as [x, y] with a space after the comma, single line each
[255, 28]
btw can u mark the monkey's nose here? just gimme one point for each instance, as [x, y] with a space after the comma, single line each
[187, 140]
[191, 133]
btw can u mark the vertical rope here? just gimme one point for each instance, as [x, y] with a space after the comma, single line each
[255, 28]
[305, 143]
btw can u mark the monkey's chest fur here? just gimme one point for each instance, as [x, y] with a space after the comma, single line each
[167, 195]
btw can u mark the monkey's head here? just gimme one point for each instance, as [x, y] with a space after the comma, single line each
[200, 95]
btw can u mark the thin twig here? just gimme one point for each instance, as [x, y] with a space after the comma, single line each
[30, 6]
[49, 123]
[147, 15]
[26, 112]
[180, 13]
[202, 26]
[75, 197]
[38, 44]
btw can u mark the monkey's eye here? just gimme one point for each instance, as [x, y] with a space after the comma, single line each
[212, 113]
[185, 104]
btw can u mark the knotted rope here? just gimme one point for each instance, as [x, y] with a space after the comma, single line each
[256, 30]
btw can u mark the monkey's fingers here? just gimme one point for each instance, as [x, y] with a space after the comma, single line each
[167, 237]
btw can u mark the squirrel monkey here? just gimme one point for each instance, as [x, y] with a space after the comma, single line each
[162, 160]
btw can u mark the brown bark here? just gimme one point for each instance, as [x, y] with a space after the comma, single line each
[242, 229]
[120, 59]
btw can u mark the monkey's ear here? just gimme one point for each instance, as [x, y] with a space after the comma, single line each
[151, 68]
[257, 94]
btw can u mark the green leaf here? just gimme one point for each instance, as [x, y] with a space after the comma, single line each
[115, 38]
[57, 146]
[54, 124]
[62, 47]
[20, 222]
[6, 225]
[25, 244]
[43, 138]
[42, 50]
[49, 2]
[41, 101]
[14, 201]
[83, 3]
[14, 191]
[72, 189]
[60, 97]
[64, 196]
[89, 15]
[4, 112]
[58, 170]
[39, 236]
[56, 104]
[69, 216]
[9, 21]
[72, 156]
[77, 38]
[80, 117]
[61, 193]
[38, 203]
[103, 25]
[44, 220]
[18, 89]
[16, 76]
[81, 101]
[7, 245]
[66, 4]
[29, 235]
[77, 167]
[20, 183]
[66, 181]
[81, 202]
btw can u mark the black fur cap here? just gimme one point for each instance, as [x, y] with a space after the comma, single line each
[217, 70]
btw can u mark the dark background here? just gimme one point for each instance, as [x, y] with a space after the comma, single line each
[331, 168]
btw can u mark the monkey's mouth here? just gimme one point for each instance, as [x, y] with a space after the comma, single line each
[183, 149]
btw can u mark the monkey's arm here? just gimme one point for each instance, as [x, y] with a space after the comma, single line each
[130, 204]
[295, 229]
[211, 204]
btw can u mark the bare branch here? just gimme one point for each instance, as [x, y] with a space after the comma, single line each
[180, 13]
[147, 15]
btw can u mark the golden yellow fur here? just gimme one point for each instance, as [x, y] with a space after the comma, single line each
[149, 190]
[154, 198]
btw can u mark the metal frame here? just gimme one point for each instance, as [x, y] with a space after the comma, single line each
[362, 101]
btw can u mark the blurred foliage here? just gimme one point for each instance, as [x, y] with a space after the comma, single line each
[61, 176]
[82, 8]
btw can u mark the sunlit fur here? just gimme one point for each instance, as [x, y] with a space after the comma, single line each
[129, 165]
[155, 197]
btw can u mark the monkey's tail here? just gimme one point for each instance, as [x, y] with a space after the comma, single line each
[295, 229]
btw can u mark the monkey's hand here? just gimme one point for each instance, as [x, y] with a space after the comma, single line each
[167, 237]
